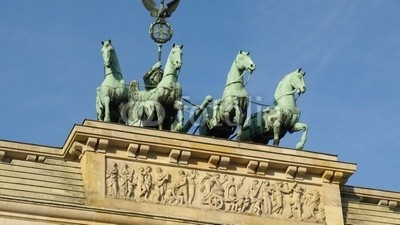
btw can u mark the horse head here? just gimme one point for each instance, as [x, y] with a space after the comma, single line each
[291, 83]
[175, 56]
[244, 62]
[297, 81]
[106, 50]
[112, 89]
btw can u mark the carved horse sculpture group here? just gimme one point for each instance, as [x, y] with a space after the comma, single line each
[163, 103]
[230, 111]
[112, 92]
[163, 107]
[274, 122]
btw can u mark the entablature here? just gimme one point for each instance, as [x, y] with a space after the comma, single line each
[211, 153]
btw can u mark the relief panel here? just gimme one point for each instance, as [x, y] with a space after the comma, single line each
[143, 182]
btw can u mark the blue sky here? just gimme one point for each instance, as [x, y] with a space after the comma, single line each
[51, 65]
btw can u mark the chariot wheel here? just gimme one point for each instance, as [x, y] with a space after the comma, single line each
[216, 202]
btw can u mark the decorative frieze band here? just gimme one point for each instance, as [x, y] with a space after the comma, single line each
[140, 181]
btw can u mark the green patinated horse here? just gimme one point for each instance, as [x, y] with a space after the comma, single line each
[275, 121]
[112, 93]
[230, 111]
[162, 106]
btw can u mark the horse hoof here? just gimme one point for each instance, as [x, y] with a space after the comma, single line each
[299, 146]
[178, 128]
[276, 143]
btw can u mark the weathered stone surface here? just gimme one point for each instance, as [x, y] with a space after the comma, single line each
[369, 206]
[220, 177]
[128, 175]
[44, 181]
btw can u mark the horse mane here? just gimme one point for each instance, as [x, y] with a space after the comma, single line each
[167, 69]
[110, 47]
[286, 77]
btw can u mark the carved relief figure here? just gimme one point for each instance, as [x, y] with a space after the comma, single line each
[288, 192]
[161, 184]
[170, 196]
[132, 184]
[231, 198]
[243, 203]
[124, 176]
[192, 185]
[311, 204]
[255, 200]
[266, 192]
[148, 181]
[181, 187]
[210, 186]
[295, 201]
[213, 191]
[280, 188]
[141, 185]
[112, 180]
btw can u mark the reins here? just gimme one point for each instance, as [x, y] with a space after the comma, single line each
[289, 93]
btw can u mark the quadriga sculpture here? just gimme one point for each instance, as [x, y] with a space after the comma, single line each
[275, 121]
[230, 111]
[112, 93]
[162, 106]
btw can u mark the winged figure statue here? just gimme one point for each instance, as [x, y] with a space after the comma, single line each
[162, 12]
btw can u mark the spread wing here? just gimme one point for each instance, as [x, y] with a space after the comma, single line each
[151, 6]
[171, 7]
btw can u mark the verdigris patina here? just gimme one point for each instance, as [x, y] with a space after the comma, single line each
[162, 12]
[160, 30]
[112, 92]
[153, 76]
[162, 106]
[230, 111]
[275, 121]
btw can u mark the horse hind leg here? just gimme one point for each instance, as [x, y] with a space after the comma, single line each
[99, 110]
[214, 120]
[239, 133]
[238, 114]
[241, 126]
[240, 105]
[159, 114]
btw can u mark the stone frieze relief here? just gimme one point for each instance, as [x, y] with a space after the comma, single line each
[217, 191]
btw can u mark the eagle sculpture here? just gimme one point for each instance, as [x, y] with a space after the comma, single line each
[162, 12]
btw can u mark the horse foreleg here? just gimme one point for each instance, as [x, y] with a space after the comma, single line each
[99, 106]
[160, 117]
[277, 129]
[179, 106]
[239, 133]
[106, 102]
[300, 127]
